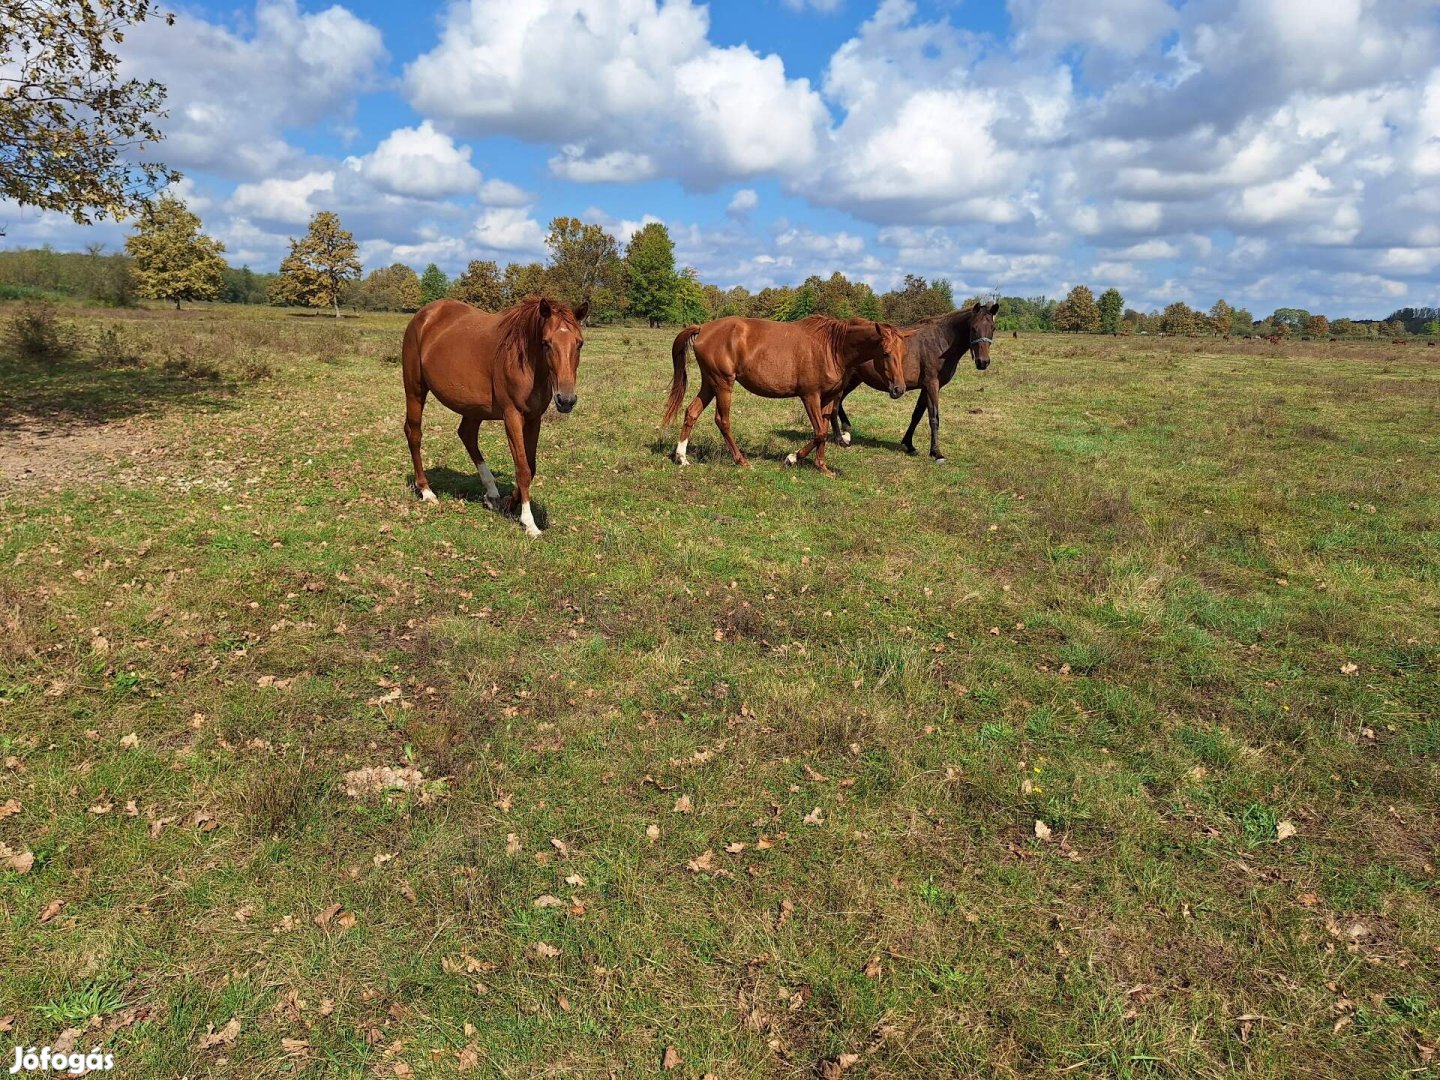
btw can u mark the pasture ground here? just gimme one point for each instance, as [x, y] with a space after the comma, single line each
[737, 772]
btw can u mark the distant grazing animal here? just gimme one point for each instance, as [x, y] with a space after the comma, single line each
[507, 366]
[1398, 341]
[654, 322]
[931, 358]
[809, 359]
[1015, 334]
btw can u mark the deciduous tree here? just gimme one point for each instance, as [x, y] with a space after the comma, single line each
[71, 129]
[1112, 308]
[1317, 326]
[689, 298]
[585, 264]
[171, 258]
[650, 273]
[391, 288]
[917, 299]
[1078, 312]
[319, 265]
[524, 279]
[480, 286]
[1179, 319]
[434, 285]
[1222, 318]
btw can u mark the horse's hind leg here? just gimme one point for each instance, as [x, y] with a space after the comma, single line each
[414, 409]
[692, 414]
[722, 421]
[840, 419]
[819, 423]
[469, 432]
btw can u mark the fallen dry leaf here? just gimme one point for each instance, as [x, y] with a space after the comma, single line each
[1284, 830]
[683, 805]
[359, 783]
[224, 1037]
[735, 848]
[1042, 831]
[50, 910]
[129, 742]
[9, 808]
[512, 844]
[671, 1058]
[548, 901]
[815, 817]
[1350, 669]
[323, 919]
[652, 832]
[544, 950]
[701, 862]
[873, 968]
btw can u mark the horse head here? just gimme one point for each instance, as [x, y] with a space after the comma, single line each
[562, 339]
[892, 342]
[982, 333]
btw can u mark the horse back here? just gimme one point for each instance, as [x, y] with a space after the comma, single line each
[450, 351]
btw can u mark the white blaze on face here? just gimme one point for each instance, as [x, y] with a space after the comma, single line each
[528, 520]
[680, 449]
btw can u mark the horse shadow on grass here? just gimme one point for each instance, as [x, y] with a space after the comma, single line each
[467, 487]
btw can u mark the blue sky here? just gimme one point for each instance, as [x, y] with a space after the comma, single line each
[1271, 152]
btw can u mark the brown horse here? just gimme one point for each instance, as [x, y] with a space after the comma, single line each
[809, 359]
[930, 362]
[506, 366]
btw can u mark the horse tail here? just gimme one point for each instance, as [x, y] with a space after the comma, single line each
[677, 385]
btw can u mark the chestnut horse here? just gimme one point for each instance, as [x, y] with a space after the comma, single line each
[930, 362]
[809, 359]
[506, 366]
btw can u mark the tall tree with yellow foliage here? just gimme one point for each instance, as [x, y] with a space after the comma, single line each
[319, 265]
[173, 259]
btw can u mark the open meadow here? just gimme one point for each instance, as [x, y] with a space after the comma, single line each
[1108, 748]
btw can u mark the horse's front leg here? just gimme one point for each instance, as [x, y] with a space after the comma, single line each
[932, 403]
[908, 442]
[516, 435]
[819, 423]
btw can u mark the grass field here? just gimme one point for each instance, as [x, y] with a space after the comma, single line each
[1109, 748]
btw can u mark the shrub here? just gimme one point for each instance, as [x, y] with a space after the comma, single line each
[114, 348]
[36, 333]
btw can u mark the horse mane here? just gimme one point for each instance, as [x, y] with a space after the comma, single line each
[521, 326]
[828, 331]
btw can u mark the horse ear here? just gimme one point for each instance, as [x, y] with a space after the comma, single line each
[544, 309]
[909, 333]
[582, 311]
[995, 307]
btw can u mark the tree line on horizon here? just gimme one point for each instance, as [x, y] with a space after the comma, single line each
[170, 258]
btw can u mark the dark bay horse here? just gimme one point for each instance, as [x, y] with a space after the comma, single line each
[931, 357]
[507, 366]
[809, 359]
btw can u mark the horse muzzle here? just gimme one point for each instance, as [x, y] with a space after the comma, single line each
[981, 362]
[896, 391]
[565, 402]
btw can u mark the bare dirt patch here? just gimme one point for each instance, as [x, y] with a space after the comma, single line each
[38, 450]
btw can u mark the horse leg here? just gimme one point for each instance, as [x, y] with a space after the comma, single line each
[414, 409]
[908, 442]
[839, 419]
[692, 414]
[819, 424]
[722, 421]
[932, 403]
[469, 432]
[515, 425]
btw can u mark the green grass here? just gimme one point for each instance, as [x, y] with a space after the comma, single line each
[1125, 608]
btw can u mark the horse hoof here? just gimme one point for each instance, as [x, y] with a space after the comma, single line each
[682, 461]
[844, 438]
[940, 461]
[791, 459]
[491, 502]
[426, 495]
[909, 450]
[533, 534]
